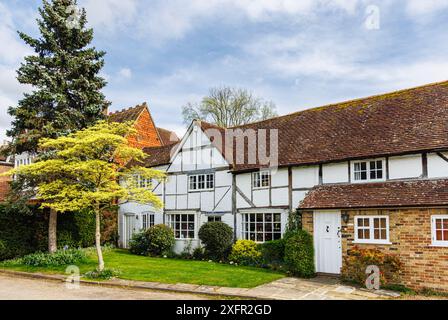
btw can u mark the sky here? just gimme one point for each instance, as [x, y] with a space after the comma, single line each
[296, 53]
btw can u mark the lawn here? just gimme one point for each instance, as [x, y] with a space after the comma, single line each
[141, 268]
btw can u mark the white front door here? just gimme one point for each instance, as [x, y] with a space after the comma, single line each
[327, 241]
[129, 229]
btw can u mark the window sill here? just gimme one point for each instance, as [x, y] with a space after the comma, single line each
[260, 188]
[372, 242]
[439, 245]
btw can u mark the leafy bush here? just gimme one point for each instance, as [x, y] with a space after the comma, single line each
[246, 252]
[106, 274]
[299, 253]
[217, 238]
[161, 239]
[357, 261]
[273, 252]
[60, 258]
[199, 253]
[30, 232]
[139, 244]
[156, 241]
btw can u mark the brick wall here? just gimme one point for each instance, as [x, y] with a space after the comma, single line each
[147, 133]
[425, 266]
[4, 185]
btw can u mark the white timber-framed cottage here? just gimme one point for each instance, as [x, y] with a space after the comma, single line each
[370, 172]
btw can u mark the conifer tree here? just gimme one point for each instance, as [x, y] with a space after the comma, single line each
[66, 87]
[63, 74]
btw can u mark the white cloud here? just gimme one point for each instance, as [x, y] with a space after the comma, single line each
[110, 15]
[425, 7]
[125, 73]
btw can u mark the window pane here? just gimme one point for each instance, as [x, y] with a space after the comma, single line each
[439, 235]
[383, 223]
[367, 234]
[376, 223]
[376, 234]
[439, 224]
[363, 175]
[383, 234]
[360, 222]
[360, 234]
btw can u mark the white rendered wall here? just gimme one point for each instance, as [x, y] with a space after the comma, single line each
[409, 166]
[437, 167]
[335, 172]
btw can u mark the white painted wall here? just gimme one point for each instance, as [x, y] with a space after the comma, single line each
[280, 196]
[305, 177]
[335, 172]
[279, 178]
[437, 167]
[409, 166]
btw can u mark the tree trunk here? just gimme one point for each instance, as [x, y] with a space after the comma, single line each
[98, 241]
[52, 231]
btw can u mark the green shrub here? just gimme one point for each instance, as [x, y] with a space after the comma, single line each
[246, 252]
[299, 253]
[357, 261]
[273, 252]
[30, 232]
[139, 244]
[217, 238]
[160, 240]
[199, 253]
[156, 241]
[60, 258]
[106, 274]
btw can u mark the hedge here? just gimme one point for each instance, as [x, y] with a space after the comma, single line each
[22, 233]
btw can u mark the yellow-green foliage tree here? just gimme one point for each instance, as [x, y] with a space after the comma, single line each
[90, 169]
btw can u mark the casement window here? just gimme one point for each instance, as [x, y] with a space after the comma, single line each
[262, 227]
[140, 182]
[439, 230]
[261, 179]
[200, 182]
[144, 183]
[373, 170]
[183, 225]
[147, 221]
[372, 229]
[214, 219]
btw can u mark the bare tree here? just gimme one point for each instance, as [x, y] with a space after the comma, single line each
[229, 107]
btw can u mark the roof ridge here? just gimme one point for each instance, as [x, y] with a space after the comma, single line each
[327, 106]
[144, 104]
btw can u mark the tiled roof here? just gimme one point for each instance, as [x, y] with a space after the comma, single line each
[125, 115]
[168, 137]
[158, 156]
[396, 123]
[378, 195]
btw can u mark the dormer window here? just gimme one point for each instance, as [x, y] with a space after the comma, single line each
[366, 171]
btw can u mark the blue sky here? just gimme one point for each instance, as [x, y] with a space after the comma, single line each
[297, 53]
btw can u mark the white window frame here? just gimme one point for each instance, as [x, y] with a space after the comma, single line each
[368, 168]
[203, 178]
[150, 220]
[246, 231]
[212, 218]
[172, 224]
[372, 230]
[437, 243]
[257, 180]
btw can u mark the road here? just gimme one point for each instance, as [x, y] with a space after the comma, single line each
[31, 289]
